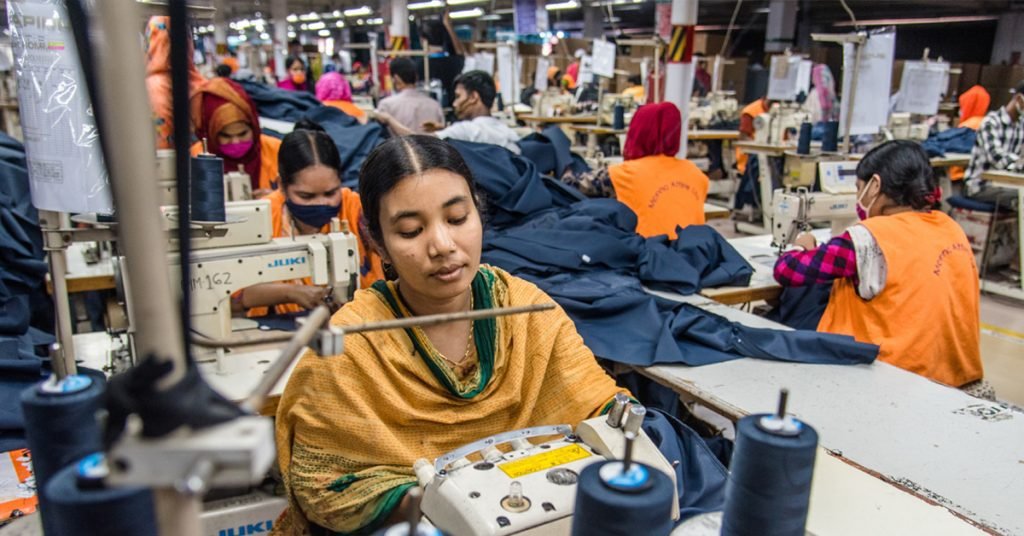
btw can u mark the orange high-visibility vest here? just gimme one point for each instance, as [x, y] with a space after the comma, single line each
[753, 109]
[663, 191]
[926, 319]
[370, 268]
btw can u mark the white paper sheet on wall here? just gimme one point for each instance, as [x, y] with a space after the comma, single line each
[604, 58]
[874, 78]
[540, 77]
[783, 78]
[803, 77]
[506, 75]
[66, 170]
[921, 86]
[485, 62]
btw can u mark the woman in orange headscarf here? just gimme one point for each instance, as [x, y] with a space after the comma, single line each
[665, 192]
[224, 116]
[158, 79]
[973, 107]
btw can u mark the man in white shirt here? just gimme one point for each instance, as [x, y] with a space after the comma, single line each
[474, 95]
[409, 106]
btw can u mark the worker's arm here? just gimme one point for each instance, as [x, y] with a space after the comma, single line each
[456, 44]
[268, 294]
[812, 265]
[389, 121]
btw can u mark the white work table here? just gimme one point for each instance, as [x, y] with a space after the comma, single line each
[958, 451]
[758, 251]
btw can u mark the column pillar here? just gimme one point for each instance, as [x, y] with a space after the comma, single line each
[279, 18]
[781, 28]
[220, 27]
[679, 71]
[1008, 46]
[593, 21]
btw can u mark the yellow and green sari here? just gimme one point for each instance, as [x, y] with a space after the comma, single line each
[350, 427]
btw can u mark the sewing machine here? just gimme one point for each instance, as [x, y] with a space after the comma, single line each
[530, 489]
[901, 126]
[793, 210]
[780, 123]
[717, 107]
[552, 103]
[607, 108]
[237, 184]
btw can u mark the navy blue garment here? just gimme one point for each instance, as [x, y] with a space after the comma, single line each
[801, 307]
[354, 141]
[511, 186]
[953, 140]
[698, 258]
[550, 151]
[700, 477]
[24, 304]
[281, 104]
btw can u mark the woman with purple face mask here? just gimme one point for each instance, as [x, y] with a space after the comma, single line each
[224, 116]
[903, 278]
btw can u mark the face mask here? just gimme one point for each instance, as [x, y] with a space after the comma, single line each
[299, 79]
[313, 215]
[862, 211]
[237, 149]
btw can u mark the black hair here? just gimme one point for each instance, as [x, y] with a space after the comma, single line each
[405, 70]
[636, 79]
[222, 71]
[398, 158]
[434, 32]
[479, 82]
[294, 42]
[291, 60]
[905, 170]
[306, 146]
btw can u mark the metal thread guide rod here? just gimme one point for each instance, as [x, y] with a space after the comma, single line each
[627, 456]
[780, 423]
[62, 354]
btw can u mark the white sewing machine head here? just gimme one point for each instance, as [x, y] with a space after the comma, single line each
[902, 126]
[793, 211]
[530, 489]
[780, 123]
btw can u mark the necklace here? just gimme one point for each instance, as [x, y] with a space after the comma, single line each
[470, 344]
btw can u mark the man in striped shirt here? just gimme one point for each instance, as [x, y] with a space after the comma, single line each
[998, 146]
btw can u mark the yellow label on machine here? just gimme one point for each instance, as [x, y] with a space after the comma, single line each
[544, 460]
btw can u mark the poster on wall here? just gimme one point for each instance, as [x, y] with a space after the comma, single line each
[783, 78]
[874, 78]
[65, 167]
[921, 86]
[604, 58]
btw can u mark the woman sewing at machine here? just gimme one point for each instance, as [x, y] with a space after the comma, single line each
[904, 277]
[310, 195]
[224, 116]
[663, 191]
[350, 427]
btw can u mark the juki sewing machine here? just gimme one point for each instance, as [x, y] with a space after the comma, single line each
[794, 208]
[901, 126]
[780, 123]
[530, 489]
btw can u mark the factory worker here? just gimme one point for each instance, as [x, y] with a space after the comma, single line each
[333, 90]
[746, 128]
[663, 191]
[973, 106]
[158, 79]
[224, 116]
[904, 277]
[296, 75]
[310, 195]
[350, 427]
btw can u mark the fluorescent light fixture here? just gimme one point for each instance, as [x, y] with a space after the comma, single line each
[210, 28]
[324, 33]
[291, 35]
[375, 21]
[303, 27]
[340, 24]
[490, 17]
[571, 4]
[265, 36]
[292, 18]
[319, 25]
[360, 22]
[358, 12]
[461, 2]
[309, 16]
[336, 13]
[469, 13]
[241, 37]
[927, 20]
[425, 5]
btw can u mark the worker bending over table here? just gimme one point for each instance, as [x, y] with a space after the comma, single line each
[310, 195]
[664, 191]
[225, 116]
[904, 278]
[350, 427]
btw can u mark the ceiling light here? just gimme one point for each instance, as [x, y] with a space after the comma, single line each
[265, 36]
[460, 2]
[375, 21]
[360, 22]
[309, 16]
[358, 12]
[241, 37]
[425, 5]
[303, 27]
[571, 4]
[469, 13]
[292, 18]
[490, 17]
[291, 35]
[324, 33]
[336, 13]
[929, 20]
[340, 24]
[320, 25]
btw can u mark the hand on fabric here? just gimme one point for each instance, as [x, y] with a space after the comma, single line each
[806, 241]
[307, 296]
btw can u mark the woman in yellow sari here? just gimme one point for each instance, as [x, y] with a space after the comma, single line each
[350, 427]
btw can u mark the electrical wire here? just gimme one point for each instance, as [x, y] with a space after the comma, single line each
[728, 30]
[849, 12]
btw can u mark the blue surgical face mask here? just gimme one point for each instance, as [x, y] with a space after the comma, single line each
[313, 215]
